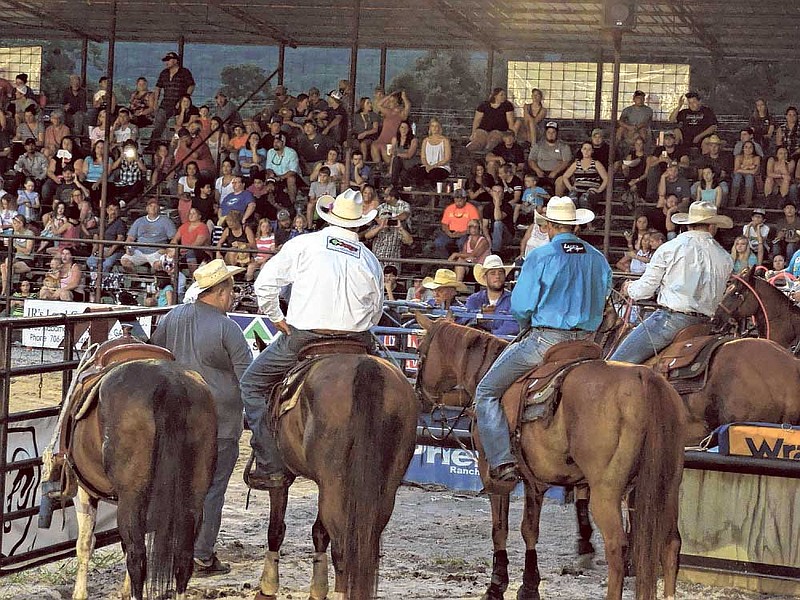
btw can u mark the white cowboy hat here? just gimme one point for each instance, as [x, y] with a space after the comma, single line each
[702, 213]
[561, 210]
[490, 262]
[444, 278]
[207, 276]
[346, 210]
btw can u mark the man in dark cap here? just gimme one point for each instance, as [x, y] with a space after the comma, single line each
[174, 81]
[635, 121]
[226, 111]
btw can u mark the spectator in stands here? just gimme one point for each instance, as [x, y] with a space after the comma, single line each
[265, 242]
[721, 162]
[102, 101]
[284, 162]
[173, 82]
[7, 214]
[23, 257]
[391, 287]
[532, 197]
[747, 135]
[218, 141]
[163, 293]
[283, 228]
[435, 155]
[455, 220]
[762, 123]
[194, 232]
[239, 200]
[142, 104]
[641, 227]
[498, 216]
[55, 224]
[25, 292]
[187, 184]
[659, 218]
[585, 179]
[251, 157]
[445, 288]
[550, 157]
[61, 169]
[123, 130]
[389, 233]
[226, 112]
[674, 184]
[151, 228]
[404, 155]
[31, 164]
[163, 163]
[634, 168]
[282, 99]
[659, 161]
[492, 118]
[788, 134]
[71, 233]
[205, 201]
[694, 123]
[365, 125]
[115, 231]
[30, 127]
[742, 255]
[194, 150]
[779, 174]
[237, 140]
[708, 188]
[224, 183]
[235, 238]
[601, 150]
[93, 168]
[534, 236]
[507, 152]
[336, 168]
[359, 171]
[322, 186]
[369, 199]
[186, 112]
[5, 146]
[787, 231]
[70, 280]
[394, 108]
[28, 201]
[273, 129]
[313, 147]
[74, 104]
[635, 121]
[757, 234]
[338, 120]
[494, 299]
[54, 133]
[745, 169]
[533, 115]
[417, 293]
[273, 200]
[315, 102]
[98, 131]
[298, 117]
[129, 172]
[477, 246]
[479, 184]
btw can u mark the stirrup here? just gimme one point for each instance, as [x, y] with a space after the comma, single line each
[505, 473]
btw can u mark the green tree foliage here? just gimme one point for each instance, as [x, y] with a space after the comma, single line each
[442, 79]
[239, 81]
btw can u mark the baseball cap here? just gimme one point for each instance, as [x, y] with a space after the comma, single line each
[673, 163]
[270, 180]
[170, 55]
[284, 214]
[151, 200]
[669, 134]
[335, 94]
[276, 119]
[693, 95]
[551, 125]
[30, 141]
[638, 93]
[280, 137]
[221, 93]
[596, 130]
[760, 211]
[183, 132]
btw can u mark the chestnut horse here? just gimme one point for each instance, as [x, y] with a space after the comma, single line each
[150, 443]
[777, 318]
[616, 425]
[353, 432]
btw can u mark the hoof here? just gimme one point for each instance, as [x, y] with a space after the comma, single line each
[260, 596]
[492, 596]
[526, 593]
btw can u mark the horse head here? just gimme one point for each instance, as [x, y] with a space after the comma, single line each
[434, 375]
[741, 300]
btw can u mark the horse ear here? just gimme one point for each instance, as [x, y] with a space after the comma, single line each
[423, 320]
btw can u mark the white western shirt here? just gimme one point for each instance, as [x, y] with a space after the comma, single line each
[337, 283]
[689, 273]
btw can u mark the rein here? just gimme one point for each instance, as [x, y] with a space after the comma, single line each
[752, 290]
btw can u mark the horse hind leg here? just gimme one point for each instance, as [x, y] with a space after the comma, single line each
[605, 506]
[132, 524]
[585, 547]
[529, 590]
[270, 575]
[672, 546]
[319, 573]
[86, 514]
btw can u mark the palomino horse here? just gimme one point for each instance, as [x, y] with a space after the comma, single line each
[352, 431]
[148, 442]
[616, 425]
[777, 317]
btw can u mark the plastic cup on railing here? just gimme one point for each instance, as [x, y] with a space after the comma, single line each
[439, 187]
[388, 149]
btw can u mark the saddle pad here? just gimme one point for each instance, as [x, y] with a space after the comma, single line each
[689, 359]
[760, 440]
[285, 396]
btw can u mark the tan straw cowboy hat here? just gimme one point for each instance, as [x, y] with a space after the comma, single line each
[346, 210]
[561, 210]
[490, 262]
[702, 213]
[207, 276]
[444, 278]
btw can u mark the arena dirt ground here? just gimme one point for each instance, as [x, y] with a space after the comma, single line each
[436, 546]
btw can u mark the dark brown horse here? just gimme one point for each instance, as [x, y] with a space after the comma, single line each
[776, 316]
[616, 425]
[353, 432]
[149, 443]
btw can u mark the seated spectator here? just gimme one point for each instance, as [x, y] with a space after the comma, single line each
[508, 151]
[335, 168]
[265, 242]
[695, 123]
[635, 122]
[7, 214]
[601, 151]
[142, 104]
[312, 147]
[70, 280]
[417, 293]
[28, 202]
[492, 118]
[24, 292]
[549, 157]
[163, 292]
[788, 134]
[708, 188]
[102, 101]
[495, 299]
[226, 111]
[151, 228]
[359, 172]
[389, 233]
[239, 200]
[757, 234]
[660, 218]
[476, 248]
[779, 175]
[404, 155]
[742, 254]
[163, 163]
[235, 237]
[251, 157]
[55, 224]
[721, 162]
[188, 182]
[31, 164]
[455, 220]
[70, 233]
[51, 282]
[192, 233]
[66, 157]
[273, 128]
[745, 169]
[498, 217]
[22, 260]
[129, 172]
[224, 183]
[322, 186]
[74, 105]
[762, 124]
[658, 162]
[115, 230]
[283, 228]
[194, 149]
[674, 184]
[394, 108]
[585, 179]
[272, 199]
[534, 114]
[205, 202]
[98, 132]
[787, 231]
[299, 226]
[54, 133]
[218, 141]
[634, 168]
[391, 287]
[435, 155]
[365, 125]
[284, 162]
[30, 127]
[123, 129]
[338, 120]
[185, 112]
[93, 168]
[533, 196]
[534, 236]
[636, 258]
[746, 135]
[479, 184]
[445, 288]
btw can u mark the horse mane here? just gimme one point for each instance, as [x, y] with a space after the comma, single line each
[761, 285]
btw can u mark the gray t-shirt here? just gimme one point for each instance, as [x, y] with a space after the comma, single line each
[318, 189]
[159, 231]
[548, 156]
[636, 115]
[207, 341]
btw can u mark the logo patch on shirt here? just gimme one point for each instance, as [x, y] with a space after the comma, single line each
[343, 246]
[573, 248]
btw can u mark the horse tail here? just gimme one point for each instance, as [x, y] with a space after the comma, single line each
[170, 517]
[372, 450]
[657, 480]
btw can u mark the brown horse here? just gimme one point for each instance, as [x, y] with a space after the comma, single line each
[353, 432]
[616, 425]
[149, 443]
[776, 317]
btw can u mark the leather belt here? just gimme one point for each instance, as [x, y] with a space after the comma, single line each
[684, 312]
[332, 332]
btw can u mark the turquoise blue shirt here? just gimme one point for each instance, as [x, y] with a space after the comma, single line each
[794, 264]
[563, 285]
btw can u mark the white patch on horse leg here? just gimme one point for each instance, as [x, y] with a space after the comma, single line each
[125, 590]
[270, 579]
[339, 596]
[319, 576]
[86, 514]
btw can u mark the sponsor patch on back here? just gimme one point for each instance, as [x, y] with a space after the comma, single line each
[344, 246]
[573, 248]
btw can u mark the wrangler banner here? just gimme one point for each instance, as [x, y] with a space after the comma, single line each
[760, 440]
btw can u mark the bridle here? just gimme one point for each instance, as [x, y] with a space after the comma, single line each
[739, 299]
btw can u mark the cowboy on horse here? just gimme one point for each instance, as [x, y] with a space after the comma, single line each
[560, 296]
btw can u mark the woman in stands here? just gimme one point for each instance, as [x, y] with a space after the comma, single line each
[224, 184]
[779, 173]
[251, 157]
[533, 115]
[788, 134]
[192, 233]
[334, 166]
[635, 241]
[476, 247]
[404, 154]
[68, 155]
[365, 125]
[163, 161]
[265, 242]
[586, 178]
[98, 132]
[92, 171]
[187, 183]
[395, 108]
[235, 237]
[745, 168]
[70, 279]
[634, 167]
[709, 189]
[30, 127]
[187, 112]
[218, 141]
[23, 251]
[742, 255]
[142, 104]
[492, 118]
[435, 154]
[479, 184]
[238, 140]
[763, 124]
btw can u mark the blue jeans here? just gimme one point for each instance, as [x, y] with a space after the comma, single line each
[443, 244]
[227, 453]
[749, 185]
[652, 335]
[518, 358]
[500, 236]
[108, 262]
[264, 373]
